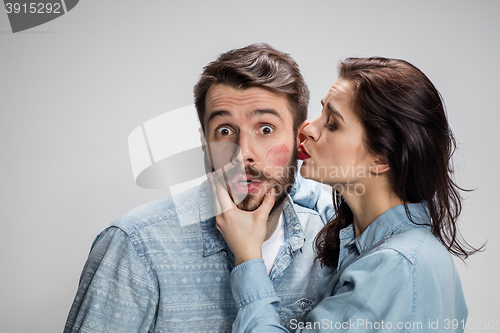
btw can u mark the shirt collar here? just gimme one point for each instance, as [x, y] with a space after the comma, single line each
[213, 241]
[294, 233]
[346, 236]
[385, 225]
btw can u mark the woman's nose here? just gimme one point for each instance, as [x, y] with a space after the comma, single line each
[310, 131]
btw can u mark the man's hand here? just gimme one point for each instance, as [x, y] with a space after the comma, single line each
[243, 231]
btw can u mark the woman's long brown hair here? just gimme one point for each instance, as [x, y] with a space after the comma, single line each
[404, 120]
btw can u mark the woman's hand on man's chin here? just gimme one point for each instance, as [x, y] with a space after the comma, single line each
[243, 231]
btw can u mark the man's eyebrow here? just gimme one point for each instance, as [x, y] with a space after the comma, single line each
[331, 108]
[260, 112]
[218, 113]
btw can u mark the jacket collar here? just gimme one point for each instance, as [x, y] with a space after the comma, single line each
[385, 225]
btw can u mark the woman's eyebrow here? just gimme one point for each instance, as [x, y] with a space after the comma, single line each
[331, 108]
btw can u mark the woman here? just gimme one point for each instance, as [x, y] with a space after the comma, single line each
[383, 143]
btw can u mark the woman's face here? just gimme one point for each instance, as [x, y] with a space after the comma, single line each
[335, 144]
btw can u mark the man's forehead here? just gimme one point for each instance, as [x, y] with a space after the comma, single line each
[226, 101]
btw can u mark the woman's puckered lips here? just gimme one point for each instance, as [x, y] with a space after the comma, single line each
[302, 154]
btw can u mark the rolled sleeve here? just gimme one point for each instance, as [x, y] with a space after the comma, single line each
[249, 283]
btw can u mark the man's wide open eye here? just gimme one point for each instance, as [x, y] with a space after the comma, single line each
[224, 131]
[266, 130]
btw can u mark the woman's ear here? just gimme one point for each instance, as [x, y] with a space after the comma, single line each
[379, 165]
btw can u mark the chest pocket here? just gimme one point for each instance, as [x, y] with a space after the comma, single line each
[297, 310]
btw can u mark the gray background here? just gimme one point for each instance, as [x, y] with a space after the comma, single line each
[73, 89]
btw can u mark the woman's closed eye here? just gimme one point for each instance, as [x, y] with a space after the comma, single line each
[331, 126]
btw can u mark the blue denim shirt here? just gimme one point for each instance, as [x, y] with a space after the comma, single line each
[403, 280]
[165, 267]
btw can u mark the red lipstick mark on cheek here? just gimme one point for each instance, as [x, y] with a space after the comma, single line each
[278, 155]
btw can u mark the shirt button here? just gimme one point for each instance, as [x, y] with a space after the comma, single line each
[224, 253]
[303, 305]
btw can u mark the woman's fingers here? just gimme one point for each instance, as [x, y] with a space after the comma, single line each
[219, 191]
[213, 186]
[223, 195]
[264, 210]
[244, 231]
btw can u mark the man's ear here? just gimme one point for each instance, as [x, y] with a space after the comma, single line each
[379, 165]
[202, 139]
[301, 137]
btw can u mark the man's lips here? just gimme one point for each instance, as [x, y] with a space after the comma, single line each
[245, 183]
[302, 154]
[245, 177]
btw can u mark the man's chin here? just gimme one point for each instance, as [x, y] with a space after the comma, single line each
[251, 202]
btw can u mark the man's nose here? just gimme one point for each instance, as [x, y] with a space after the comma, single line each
[247, 147]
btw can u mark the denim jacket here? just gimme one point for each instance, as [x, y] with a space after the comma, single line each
[164, 267]
[395, 277]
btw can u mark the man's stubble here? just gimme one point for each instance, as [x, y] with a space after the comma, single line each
[282, 184]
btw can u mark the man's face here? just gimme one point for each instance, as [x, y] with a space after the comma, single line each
[250, 136]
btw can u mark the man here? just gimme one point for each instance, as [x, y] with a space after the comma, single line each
[148, 273]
